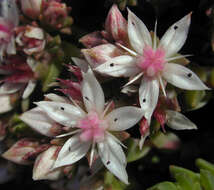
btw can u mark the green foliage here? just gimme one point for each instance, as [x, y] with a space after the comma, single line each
[189, 180]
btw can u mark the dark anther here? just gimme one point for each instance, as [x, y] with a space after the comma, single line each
[88, 173]
[189, 75]
[133, 23]
[69, 149]
[62, 108]
[175, 27]
[144, 100]
[115, 119]
[112, 64]
[108, 163]
[86, 98]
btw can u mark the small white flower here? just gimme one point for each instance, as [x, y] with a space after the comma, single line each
[153, 61]
[93, 127]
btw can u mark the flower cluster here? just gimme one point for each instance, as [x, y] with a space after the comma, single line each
[78, 120]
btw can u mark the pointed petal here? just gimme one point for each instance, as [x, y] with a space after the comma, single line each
[29, 89]
[5, 104]
[182, 77]
[116, 25]
[10, 88]
[55, 98]
[81, 63]
[113, 158]
[178, 121]
[63, 113]
[121, 66]
[100, 54]
[92, 93]
[175, 37]
[123, 118]
[148, 96]
[139, 35]
[72, 151]
[38, 120]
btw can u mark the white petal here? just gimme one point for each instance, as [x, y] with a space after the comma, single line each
[81, 63]
[182, 77]
[139, 35]
[38, 120]
[92, 93]
[121, 66]
[55, 97]
[175, 37]
[63, 113]
[5, 104]
[113, 158]
[29, 89]
[72, 151]
[148, 96]
[9, 88]
[123, 118]
[178, 121]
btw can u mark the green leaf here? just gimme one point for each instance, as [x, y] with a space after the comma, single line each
[112, 183]
[207, 179]
[175, 170]
[164, 186]
[133, 151]
[184, 181]
[203, 164]
[53, 73]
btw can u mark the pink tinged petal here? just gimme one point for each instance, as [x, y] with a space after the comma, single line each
[72, 151]
[175, 37]
[81, 63]
[100, 54]
[113, 158]
[148, 96]
[19, 150]
[121, 66]
[63, 113]
[123, 118]
[178, 121]
[38, 120]
[92, 93]
[29, 89]
[182, 77]
[43, 165]
[116, 25]
[139, 35]
[5, 103]
[10, 88]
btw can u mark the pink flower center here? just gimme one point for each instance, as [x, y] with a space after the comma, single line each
[152, 61]
[93, 128]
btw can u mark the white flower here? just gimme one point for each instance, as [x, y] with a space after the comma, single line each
[153, 61]
[93, 127]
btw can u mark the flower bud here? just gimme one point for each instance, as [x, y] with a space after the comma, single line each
[31, 39]
[44, 164]
[17, 153]
[31, 8]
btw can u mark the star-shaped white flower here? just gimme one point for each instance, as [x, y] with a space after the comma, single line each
[153, 61]
[91, 127]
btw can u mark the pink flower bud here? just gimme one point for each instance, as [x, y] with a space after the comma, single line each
[116, 25]
[31, 8]
[43, 166]
[17, 153]
[30, 39]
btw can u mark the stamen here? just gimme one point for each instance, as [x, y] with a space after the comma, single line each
[177, 57]
[117, 140]
[162, 85]
[133, 80]
[67, 134]
[127, 49]
[92, 154]
[155, 37]
[106, 109]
